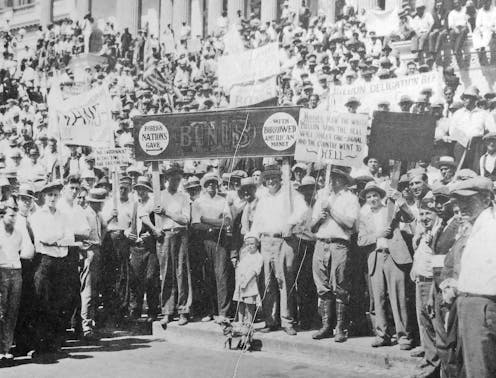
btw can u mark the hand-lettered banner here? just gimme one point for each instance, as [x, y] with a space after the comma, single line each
[84, 119]
[250, 94]
[248, 66]
[247, 132]
[111, 157]
[331, 138]
[370, 93]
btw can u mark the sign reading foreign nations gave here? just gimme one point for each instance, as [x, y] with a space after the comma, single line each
[248, 132]
[111, 157]
[332, 138]
[402, 136]
[369, 94]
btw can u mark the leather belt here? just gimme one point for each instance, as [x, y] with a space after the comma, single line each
[174, 229]
[269, 235]
[424, 279]
[383, 250]
[333, 240]
[471, 295]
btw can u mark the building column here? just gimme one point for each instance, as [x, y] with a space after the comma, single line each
[81, 8]
[181, 13]
[128, 15]
[165, 14]
[196, 18]
[268, 11]
[46, 11]
[367, 4]
[214, 11]
[329, 9]
[233, 6]
[394, 4]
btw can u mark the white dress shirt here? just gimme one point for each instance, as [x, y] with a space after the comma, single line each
[472, 123]
[50, 228]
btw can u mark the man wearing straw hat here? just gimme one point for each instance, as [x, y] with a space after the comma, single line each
[273, 220]
[447, 168]
[53, 235]
[386, 265]
[143, 265]
[172, 250]
[333, 219]
[91, 253]
[211, 217]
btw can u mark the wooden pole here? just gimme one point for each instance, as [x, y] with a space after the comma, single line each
[286, 180]
[115, 187]
[156, 191]
[395, 178]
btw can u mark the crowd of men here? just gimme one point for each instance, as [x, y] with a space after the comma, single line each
[355, 256]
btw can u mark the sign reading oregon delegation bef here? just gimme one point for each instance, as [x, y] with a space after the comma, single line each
[153, 138]
[279, 131]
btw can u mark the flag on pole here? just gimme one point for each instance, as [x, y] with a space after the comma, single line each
[154, 78]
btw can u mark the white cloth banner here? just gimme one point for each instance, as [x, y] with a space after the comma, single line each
[84, 120]
[331, 138]
[250, 94]
[383, 22]
[369, 94]
[248, 66]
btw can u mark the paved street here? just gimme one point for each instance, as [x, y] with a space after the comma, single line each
[148, 357]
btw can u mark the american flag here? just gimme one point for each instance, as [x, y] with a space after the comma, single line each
[154, 78]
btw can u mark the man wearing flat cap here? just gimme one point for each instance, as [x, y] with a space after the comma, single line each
[334, 215]
[471, 278]
[211, 217]
[52, 235]
[116, 255]
[173, 216]
[273, 219]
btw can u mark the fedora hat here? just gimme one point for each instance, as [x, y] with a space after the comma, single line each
[471, 91]
[143, 183]
[209, 177]
[103, 183]
[271, 171]
[96, 195]
[339, 172]
[54, 185]
[489, 136]
[26, 190]
[372, 187]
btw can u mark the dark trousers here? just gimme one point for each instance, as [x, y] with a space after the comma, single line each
[175, 278]
[10, 298]
[216, 275]
[361, 298]
[306, 293]
[458, 37]
[196, 254]
[477, 326]
[115, 275]
[436, 40]
[425, 322]
[448, 343]
[25, 331]
[73, 310]
[144, 279]
[50, 287]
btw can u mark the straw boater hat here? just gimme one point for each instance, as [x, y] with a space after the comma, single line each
[143, 183]
[193, 182]
[489, 136]
[372, 187]
[307, 183]
[301, 166]
[26, 190]
[271, 171]
[446, 161]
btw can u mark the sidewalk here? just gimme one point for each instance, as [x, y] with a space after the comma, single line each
[354, 352]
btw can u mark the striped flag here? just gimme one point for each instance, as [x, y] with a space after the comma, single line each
[154, 78]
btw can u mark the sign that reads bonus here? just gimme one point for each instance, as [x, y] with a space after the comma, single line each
[248, 132]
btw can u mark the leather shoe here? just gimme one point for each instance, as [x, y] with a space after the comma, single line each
[164, 321]
[417, 352]
[267, 329]
[183, 320]
[289, 330]
[380, 342]
[206, 319]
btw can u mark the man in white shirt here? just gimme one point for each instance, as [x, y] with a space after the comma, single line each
[333, 219]
[274, 217]
[422, 25]
[458, 26]
[470, 120]
[173, 216]
[52, 234]
[484, 26]
[475, 288]
[210, 215]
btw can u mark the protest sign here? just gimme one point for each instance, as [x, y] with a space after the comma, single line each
[248, 66]
[111, 157]
[253, 93]
[246, 132]
[402, 136]
[370, 93]
[331, 138]
[84, 119]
